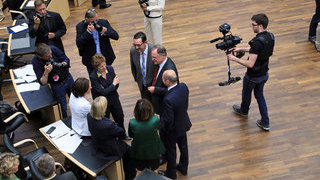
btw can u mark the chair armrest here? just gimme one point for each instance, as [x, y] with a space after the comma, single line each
[17, 144]
[60, 165]
[18, 12]
[10, 118]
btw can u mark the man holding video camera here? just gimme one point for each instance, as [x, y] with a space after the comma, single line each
[51, 66]
[261, 48]
[48, 27]
[93, 37]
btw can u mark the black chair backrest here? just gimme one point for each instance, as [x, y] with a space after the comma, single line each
[34, 171]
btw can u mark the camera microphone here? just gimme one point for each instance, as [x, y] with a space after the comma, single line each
[216, 39]
[231, 80]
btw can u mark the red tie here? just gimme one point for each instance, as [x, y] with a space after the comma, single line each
[155, 76]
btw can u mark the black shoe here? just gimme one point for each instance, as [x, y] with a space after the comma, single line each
[179, 168]
[263, 126]
[312, 39]
[163, 161]
[237, 110]
[103, 6]
[126, 138]
[163, 173]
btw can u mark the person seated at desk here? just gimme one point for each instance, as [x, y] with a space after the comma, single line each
[47, 168]
[48, 27]
[105, 83]
[51, 66]
[106, 136]
[80, 106]
[9, 165]
[146, 146]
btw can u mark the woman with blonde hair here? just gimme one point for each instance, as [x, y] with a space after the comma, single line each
[9, 164]
[106, 136]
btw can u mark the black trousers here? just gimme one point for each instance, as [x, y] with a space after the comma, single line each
[315, 20]
[170, 141]
[145, 93]
[96, 2]
[115, 109]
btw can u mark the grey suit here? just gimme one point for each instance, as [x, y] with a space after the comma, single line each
[136, 71]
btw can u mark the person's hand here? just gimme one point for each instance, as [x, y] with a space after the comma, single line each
[104, 29]
[90, 28]
[64, 63]
[51, 35]
[36, 20]
[151, 89]
[116, 81]
[232, 57]
[47, 69]
[144, 7]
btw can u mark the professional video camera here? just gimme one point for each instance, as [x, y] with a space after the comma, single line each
[229, 42]
[97, 26]
[53, 63]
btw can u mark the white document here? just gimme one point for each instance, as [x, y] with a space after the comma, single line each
[26, 70]
[30, 4]
[20, 80]
[64, 138]
[30, 78]
[28, 87]
[19, 28]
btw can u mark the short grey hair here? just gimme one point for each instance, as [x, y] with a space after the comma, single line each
[42, 49]
[170, 75]
[45, 165]
[161, 50]
[91, 13]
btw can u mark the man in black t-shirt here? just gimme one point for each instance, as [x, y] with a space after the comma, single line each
[261, 48]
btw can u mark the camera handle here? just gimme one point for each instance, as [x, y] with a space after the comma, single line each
[230, 79]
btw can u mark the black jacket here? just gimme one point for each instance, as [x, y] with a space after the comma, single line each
[87, 47]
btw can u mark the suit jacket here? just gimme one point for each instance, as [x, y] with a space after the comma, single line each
[104, 87]
[65, 176]
[175, 119]
[136, 67]
[146, 143]
[52, 23]
[106, 136]
[160, 89]
[87, 47]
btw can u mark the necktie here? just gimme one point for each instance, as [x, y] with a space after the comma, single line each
[143, 69]
[155, 75]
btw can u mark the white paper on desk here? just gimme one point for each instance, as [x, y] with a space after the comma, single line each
[64, 138]
[18, 28]
[30, 4]
[30, 78]
[69, 142]
[28, 87]
[26, 70]
[20, 80]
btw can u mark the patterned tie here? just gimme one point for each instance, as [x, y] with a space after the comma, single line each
[143, 69]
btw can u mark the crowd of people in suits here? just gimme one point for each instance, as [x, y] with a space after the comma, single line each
[160, 116]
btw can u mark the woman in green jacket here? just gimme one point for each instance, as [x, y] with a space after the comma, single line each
[146, 146]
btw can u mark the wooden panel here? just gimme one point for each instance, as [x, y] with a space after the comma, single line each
[61, 7]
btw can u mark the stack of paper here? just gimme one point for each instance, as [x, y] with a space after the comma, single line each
[64, 138]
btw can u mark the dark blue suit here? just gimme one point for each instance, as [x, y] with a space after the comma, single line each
[160, 89]
[174, 124]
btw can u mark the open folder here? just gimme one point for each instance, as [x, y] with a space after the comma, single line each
[64, 138]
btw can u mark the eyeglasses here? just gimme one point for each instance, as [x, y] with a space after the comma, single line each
[254, 24]
[139, 45]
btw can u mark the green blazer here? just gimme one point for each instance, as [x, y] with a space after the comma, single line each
[146, 143]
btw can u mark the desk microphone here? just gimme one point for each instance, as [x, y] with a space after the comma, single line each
[231, 80]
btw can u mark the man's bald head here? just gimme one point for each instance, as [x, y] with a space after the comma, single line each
[169, 77]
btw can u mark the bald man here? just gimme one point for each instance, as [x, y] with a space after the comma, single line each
[174, 123]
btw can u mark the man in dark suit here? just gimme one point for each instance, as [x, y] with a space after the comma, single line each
[174, 123]
[157, 88]
[102, 4]
[142, 67]
[93, 37]
[48, 27]
[46, 167]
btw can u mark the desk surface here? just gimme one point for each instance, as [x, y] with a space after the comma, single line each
[34, 100]
[22, 34]
[83, 157]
